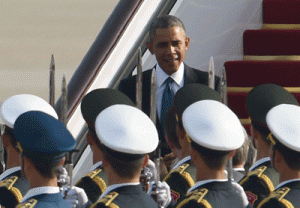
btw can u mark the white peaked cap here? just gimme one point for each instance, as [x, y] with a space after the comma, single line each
[213, 125]
[284, 123]
[16, 105]
[126, 129]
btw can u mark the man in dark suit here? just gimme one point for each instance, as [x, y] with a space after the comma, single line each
[169, 43]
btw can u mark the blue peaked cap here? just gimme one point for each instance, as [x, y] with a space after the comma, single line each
[43, 137]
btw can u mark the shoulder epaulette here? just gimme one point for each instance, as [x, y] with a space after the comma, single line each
[259, 173]
[198, 197]
[93, 175]
[181, 170]
[279, 196]
[8, 184]
[107, 201]
[28, 204]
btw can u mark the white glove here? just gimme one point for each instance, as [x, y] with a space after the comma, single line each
[240, 191]
[150, 171]
[63, 177]
[162, 193]
[76, 197]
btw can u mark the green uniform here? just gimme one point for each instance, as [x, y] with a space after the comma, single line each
[286, 195]
[212, 193]
[260, 181]
[94, 183]
[181, 178]
[125, 195]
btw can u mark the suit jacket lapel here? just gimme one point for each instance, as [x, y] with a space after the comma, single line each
[189, 75]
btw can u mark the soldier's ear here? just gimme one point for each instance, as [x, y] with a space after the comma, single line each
[181, 132]
[146, 160]
[232, 153]
[62, 161]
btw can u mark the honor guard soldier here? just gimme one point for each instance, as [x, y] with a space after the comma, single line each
[95, 182]
[13, 186]
[215, 133]
[284, 124]
[44, 142]
[126, 136]
[183, 175]
[262, 177]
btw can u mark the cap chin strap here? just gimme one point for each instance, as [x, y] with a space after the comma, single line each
[188, 138]
[271, 138]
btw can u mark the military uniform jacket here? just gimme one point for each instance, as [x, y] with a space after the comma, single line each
[94, 183]
[44, 200]
[181, 179]
[286, 196]
[12, 188]
[125, 197]
[260, 182]
[215, 194]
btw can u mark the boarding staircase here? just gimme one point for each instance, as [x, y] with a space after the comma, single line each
[271, 55]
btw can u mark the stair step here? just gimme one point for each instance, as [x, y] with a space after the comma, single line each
[237, 103]
[271, 42]
[253, 73]
[281, 11]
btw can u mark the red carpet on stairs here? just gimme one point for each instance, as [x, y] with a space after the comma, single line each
[281, 12]
[253, 73]
[271, 42]
[261, 49]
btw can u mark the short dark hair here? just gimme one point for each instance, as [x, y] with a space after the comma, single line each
[291, 157]
[164, 22]
[170, 127]
[264, 132]
[94, 136]
[47, 168]
[214, 159]
[125, 165]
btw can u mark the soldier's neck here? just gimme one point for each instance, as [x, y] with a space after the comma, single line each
[185, 150]
[262, 153]
[207, 174]
[36, 180]
[45, 182]
[262, 149]
[289, 175]
[113, 178]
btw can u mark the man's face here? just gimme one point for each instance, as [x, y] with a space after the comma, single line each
[169, 46]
